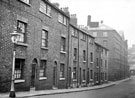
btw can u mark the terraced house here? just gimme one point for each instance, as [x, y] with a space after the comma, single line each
[41, 50]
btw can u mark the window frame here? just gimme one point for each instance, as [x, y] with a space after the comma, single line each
[44, 39]
[19, 71]
[63, 44]
[43, 68]
[62, 70]
[22, 35]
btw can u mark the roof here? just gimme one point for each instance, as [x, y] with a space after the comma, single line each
[101, 45]
[56, 8]
[101, 27]
[82, 31]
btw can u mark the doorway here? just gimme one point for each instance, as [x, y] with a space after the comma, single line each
[55, 75]
[33, 72]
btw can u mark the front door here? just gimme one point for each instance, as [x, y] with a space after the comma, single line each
[54, 76]
[33, 75]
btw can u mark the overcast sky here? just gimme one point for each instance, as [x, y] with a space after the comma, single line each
[118, 14]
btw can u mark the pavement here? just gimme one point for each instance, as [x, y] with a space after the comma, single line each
[61, 91]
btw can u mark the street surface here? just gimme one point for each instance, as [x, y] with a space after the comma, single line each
[122, 90]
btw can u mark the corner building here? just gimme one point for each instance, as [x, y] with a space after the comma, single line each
[41, 51]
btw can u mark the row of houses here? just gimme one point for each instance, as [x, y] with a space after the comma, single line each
[52, 51]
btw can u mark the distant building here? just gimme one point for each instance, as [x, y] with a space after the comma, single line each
[117, 45]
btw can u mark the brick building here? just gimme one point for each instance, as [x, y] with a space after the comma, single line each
[81, 54]
[41, 52]
[101, 64]
[117, 45]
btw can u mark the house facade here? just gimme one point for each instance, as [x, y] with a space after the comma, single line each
[41, 51]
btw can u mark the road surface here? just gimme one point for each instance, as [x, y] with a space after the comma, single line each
[122, 90]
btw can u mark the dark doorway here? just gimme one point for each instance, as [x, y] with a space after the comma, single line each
[69, 76]
[33, 72]
[55, 74]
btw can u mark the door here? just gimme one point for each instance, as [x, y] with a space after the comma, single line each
[33, 75]
[54, 76]
[69, 76]
[33, 72]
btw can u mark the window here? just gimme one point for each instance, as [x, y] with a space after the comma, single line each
[42, 72]
[62, 67]
[101, 63]
[26, 1]
[44, 38]
[21, 29]
[105, 34]
[62, 19]
[91, 57]
[83, 74]
[106, 64]
[91, 41]
[19, 65]
[44, 8]
[75, 53]
[105, 43]
[95, 34]
[74, 32]
[97, 61]
[84, 55]
[63, 44]
[74, 73]
[84, 37]
[91, 74]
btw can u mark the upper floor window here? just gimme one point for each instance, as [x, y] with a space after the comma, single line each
[105, 34]
[63, 44]
[91, 57]
[19, 67]
[91, 41]
[75, 53]
[21, 28]
[62, 69]
[95, 34]
[84, 37]
[74, 32]
[62, 19]
[42, 72]
[45, 8]
[84, 55]
[26, 1]
[44, 38]
[105, 43]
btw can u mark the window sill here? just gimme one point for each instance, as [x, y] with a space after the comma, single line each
[62, 79]
[83, 80]
[96, 81]
[75, 60]
[83, 40]
[91, 79]
[97, 66]
[46, 14]
[22, 44]
[45, 48]
[84, 61]
[63, 52]
[74, 80]
[42, 78]
[91, 62]
[19, 81]
[25, 3]
[62, 23]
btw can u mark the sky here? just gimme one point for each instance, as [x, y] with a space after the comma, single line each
[117, 14]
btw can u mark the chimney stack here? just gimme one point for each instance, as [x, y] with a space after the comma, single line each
[66, 10]
[89, 20]
[56, 4]
[73, 19]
